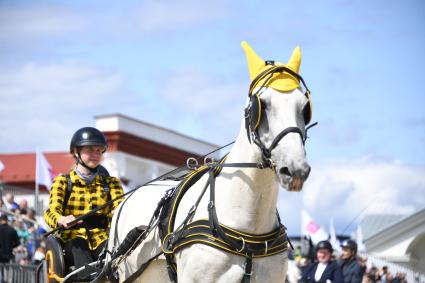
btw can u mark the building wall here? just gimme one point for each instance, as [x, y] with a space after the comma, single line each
[416, 250]
[134, 170]
[402, 243]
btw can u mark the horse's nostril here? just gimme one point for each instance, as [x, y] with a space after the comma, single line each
[285, 171]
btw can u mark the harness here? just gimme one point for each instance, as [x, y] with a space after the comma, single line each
[210, 231]
[203, 231]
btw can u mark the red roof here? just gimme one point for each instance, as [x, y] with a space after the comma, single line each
[19, 168]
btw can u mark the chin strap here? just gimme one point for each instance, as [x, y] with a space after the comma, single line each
[80, 161]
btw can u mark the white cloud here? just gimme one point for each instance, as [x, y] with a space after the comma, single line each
[204, 105]
[156, 16]
[199, 92]
[42, 104]
[93, 23]
[349, 189]
[27, 22]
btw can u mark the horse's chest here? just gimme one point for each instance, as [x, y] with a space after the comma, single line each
[201, 263]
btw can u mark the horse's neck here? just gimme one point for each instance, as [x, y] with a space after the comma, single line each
[247, 197]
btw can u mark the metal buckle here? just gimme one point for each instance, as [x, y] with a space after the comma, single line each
[243, 245]
[167, 245]
[211, 205]
[192, 163]
[208, 160]
[272, 164]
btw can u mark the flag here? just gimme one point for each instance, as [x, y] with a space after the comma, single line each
[1, 166]
[360, 245]
[43, 171]
[310, 228]
[333, 239]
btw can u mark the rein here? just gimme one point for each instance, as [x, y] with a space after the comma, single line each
[93, 211]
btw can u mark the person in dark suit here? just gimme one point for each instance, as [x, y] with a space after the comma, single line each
[352, 268]
[8, 240]
[324, 269]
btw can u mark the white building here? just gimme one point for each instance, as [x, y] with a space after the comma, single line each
[139, 152]
[397, 239]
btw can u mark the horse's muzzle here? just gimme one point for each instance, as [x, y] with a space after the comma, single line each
[293, 178]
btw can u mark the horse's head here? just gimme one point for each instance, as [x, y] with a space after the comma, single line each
[276, 116]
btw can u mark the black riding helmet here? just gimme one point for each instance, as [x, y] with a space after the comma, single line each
[350, 244]
[87, 136]
[324, 245]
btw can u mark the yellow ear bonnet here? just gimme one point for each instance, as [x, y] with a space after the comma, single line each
[260, 72]
[279, 81]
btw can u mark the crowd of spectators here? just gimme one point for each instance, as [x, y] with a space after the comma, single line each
[375, 275]
[22, 219]
[372, 273]
[31, 247]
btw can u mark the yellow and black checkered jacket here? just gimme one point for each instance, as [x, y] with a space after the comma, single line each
[82, 199]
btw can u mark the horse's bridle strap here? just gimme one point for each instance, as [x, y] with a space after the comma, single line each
[254, 132]
[284, 133]
[259, 165]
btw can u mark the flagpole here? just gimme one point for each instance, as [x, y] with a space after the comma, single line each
[36, 182]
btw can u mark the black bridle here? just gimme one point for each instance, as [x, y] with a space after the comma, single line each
[253, 134]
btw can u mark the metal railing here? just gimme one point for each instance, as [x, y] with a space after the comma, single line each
[15, 273]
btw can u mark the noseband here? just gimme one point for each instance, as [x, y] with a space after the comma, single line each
[253, 113]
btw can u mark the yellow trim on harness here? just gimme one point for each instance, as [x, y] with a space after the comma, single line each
[257, 124]
[280, 247]
[51, 274]
[247, 235]
[190, 176]
[239, 233]
[221, 241]
[211, 239]
[197, 241]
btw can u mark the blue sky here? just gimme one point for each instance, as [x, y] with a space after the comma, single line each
[180, 65]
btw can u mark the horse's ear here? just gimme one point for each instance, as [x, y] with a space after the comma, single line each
[295, 60]
[255, 63]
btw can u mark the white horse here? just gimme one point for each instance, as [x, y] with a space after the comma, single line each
[245, 198]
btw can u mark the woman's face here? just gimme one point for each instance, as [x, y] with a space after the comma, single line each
[92, 155]
[324, 255]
